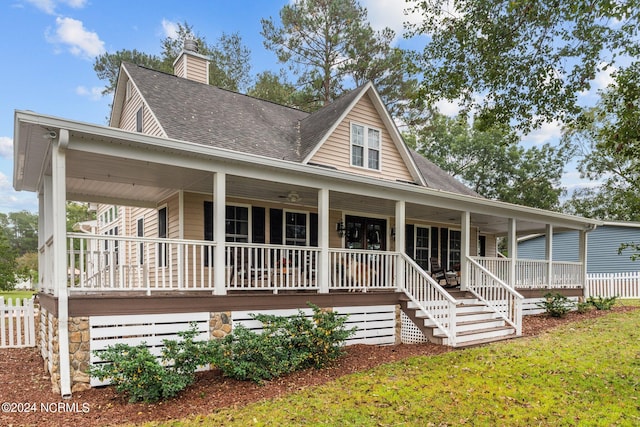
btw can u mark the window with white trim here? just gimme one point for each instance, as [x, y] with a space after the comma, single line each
[365, 146]
[296, 228]
[422, 248]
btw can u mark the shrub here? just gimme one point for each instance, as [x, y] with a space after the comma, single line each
[285, 345]
[583, 307]
[246, 355]
[601, 303]
[556, 305]
[134, 371]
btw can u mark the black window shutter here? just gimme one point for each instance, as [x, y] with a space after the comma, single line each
[275, 226]
[313, 226]
[434, 242]
[409, 241]
[208, 221]
[257, 224]
[444, 246]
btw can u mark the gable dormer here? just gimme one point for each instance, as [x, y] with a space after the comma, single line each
[362, 139]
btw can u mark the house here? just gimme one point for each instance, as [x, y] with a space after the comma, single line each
[603, 254]
[213, 205]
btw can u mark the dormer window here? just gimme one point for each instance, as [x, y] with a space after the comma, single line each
[365, 147]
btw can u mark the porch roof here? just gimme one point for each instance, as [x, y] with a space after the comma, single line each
[110, 165]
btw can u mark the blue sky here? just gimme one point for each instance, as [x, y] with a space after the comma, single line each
[49, 47]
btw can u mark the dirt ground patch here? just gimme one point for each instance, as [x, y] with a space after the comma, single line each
[27, 399]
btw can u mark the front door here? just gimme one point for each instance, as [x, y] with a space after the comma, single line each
[366, 233]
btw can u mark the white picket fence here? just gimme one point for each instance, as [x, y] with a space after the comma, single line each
[621, 285]
[17, 323]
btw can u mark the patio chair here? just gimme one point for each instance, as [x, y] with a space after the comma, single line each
[439, 273]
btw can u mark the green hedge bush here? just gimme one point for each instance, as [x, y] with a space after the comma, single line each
[286, 344]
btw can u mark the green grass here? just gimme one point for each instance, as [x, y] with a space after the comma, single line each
[585, 373]
[16, 294]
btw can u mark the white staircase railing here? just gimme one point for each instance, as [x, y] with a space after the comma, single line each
[496, 294]
[430, 298]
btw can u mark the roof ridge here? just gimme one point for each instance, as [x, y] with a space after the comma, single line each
[217, 87]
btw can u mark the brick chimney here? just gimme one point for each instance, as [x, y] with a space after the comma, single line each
[190, 64]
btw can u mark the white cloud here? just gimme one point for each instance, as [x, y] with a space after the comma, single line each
[94, 93]
[448, 108]
[49, 6]
[80, 41]
[170, 29]
[390, 13]
[6, 147]
[14, 201]
[548, 132]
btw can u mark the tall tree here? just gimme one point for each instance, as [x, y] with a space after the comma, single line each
[610, 136]
[491, 161]
[7, 264]
[521, 62]
[21, 229]
[230, 66]
[330, 46]
[107, 65]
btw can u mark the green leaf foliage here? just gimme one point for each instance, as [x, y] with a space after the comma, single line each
[138, 374]
[609, 135]
[556, 304]
[517, 61]
[491, 161]
[286, 344]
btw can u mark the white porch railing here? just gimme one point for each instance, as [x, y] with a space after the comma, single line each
[135, 263]
[430, 298]
[622, 285]
[533, 274]
[362, 270]
[493, 291]
[271, 267]
[105, 262]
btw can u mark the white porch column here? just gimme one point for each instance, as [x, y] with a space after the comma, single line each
[465, 237]
[322, 269]
[401, 220]
[47, 216]
[59, 215]
[41, 240]
[219, 250]
[548, 253]
[181, 259]
[582, 247]
[512, 249]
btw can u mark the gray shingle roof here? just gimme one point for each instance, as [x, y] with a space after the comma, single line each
[439, 179]
[208, 115]
[204, 114]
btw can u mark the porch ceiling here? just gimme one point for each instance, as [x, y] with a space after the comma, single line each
[107, 179]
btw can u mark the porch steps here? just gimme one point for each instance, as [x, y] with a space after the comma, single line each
[476, 324]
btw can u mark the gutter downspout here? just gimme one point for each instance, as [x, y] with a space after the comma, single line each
[60, 267]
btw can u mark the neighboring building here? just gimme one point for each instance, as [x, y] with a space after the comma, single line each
[213, 204]
[602, 252]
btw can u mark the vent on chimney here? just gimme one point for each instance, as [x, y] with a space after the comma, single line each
[190, 45]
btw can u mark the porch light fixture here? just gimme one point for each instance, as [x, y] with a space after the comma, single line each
[340, 228]
[393, 233]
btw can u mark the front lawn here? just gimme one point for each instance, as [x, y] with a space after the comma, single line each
[16, 294]
[584, 373]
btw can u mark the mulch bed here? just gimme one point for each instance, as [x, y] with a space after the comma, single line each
[25, 387]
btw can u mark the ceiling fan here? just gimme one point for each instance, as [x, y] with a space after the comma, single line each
[292, 197]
